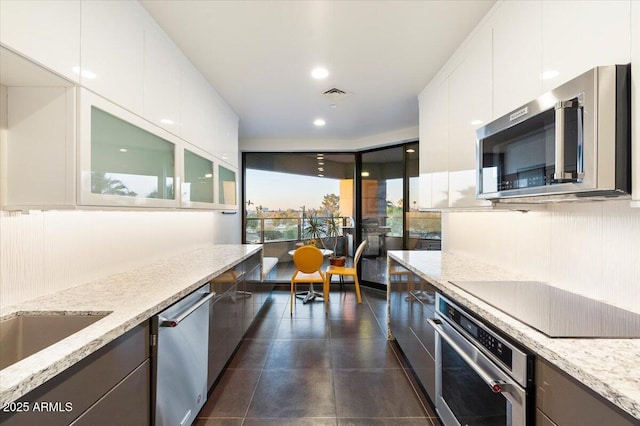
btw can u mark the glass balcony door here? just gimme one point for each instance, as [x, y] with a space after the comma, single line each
[389, 217]
[381, 219]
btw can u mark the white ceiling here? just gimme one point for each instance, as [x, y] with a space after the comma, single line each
[259, 55]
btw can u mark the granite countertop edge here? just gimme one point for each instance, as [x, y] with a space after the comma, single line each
[590, 361]
[129, 298]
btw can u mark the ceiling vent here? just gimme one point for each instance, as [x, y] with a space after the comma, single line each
[335, 94]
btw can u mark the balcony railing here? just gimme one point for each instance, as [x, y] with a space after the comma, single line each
[267, 230]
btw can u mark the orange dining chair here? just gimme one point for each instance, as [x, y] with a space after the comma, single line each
[308, 262]
[343, 271]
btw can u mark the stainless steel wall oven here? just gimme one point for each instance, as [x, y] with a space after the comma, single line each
[482, 378]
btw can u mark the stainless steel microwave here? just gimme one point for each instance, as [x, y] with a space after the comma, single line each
[573, 142]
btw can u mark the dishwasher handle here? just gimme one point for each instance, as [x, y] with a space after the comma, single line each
[176, 321]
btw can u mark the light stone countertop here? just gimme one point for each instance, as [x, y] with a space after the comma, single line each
[610, 367]
[132, 297]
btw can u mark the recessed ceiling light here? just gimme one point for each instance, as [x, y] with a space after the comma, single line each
[319, 122]
[208, 175]
[320, 163]
[320, 175]
[320, 169]
[365, 174]
[123, 149]
[319, 73]
[411, 150]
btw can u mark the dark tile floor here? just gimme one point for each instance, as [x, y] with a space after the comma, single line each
[312, 368]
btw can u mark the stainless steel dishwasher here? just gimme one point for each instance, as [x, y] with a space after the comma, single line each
[180, 340]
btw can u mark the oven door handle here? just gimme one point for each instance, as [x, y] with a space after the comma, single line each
[496, 385]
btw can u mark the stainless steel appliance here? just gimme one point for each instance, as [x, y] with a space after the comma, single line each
[555, 312]
[181, 334]
[572, 142]
[482, 378]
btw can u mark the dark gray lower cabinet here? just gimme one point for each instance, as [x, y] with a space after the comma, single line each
[240, 295]
[561, 400]
[102, 382]
[412, 301]
[124, 404]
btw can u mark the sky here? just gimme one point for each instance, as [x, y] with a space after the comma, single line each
[283, 191]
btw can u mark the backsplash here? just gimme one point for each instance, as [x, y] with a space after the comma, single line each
[48, 251]
[587, 248]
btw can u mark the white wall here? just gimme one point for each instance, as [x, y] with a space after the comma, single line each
[45, 252]
[588, 248]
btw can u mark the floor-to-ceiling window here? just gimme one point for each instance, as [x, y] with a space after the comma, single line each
[286, 193]
[289, 199]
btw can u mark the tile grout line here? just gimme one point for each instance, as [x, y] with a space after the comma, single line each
[264, 366]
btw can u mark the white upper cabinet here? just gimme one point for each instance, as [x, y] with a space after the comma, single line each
[40, 150]
[470, 94]
[113, 51]
[517, 55]
[226, 141]
[48, 32]
[162, 80]
[434, 146]
[577, 36]
[635, 100]
[197, 109]
[207, 121]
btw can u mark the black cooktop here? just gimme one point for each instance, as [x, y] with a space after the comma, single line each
[553, 311]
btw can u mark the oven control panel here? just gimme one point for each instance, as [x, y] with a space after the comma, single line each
[480, 334]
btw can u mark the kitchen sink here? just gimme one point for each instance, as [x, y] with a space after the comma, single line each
[25, 334]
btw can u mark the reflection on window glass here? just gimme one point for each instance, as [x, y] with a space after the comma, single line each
[198, 179]
[129, 161]
[227, 185]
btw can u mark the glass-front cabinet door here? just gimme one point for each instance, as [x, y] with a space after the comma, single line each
[227, 187]
[124, 160]
[127, 161]
[197, 188]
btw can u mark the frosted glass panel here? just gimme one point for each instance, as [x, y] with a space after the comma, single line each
[129, 161]
[198, 179]
[227, 185]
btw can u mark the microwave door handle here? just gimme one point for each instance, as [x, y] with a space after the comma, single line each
[559, 174]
